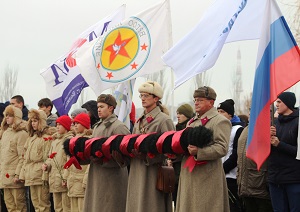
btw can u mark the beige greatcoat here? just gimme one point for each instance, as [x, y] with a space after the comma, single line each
[76, 178]
[12, 147]
[107, 183]
[205, 188]
[35, 153]
[56, 164]
[142, 194]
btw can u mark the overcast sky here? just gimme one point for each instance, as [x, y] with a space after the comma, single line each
[35, 33]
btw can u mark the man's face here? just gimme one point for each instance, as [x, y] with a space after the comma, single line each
[45, 109]
[148, 100]
[104, 110]
[281, 107]
[224, 113]
[16, 104]
[181, 118]
[202, 105]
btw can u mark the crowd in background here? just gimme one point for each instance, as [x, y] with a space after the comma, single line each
[34, 176]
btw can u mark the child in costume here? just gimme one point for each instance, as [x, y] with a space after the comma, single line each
[54, 165]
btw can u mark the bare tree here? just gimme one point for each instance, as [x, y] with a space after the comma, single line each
[247, 104]
[8, 86]
[202, 79]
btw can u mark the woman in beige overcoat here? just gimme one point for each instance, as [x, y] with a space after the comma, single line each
[35, 153]
[13, 137]
[55, 163]
[107, 182]
[142, 194]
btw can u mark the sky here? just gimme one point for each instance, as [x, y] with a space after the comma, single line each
[36, 33]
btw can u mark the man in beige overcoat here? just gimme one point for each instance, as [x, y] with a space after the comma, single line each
[204, 188]
[107, 182]
[142, 194]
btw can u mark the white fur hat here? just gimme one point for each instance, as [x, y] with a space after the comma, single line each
[152, 88]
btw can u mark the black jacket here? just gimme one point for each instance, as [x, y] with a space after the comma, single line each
[283, 167]
[25, 113]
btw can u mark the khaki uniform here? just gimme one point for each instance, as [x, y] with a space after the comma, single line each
[12, 144]
[205, 188]
[142, 194]
[35, 154]
[107, 183]
[56, 171]
[76, 182]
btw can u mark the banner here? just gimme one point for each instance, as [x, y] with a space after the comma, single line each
[123, 95]
[277, 69]
[63, 80]
[129, 50]
[199, 50]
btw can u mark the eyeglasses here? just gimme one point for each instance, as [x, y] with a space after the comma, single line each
[198, 100]
[146, 95]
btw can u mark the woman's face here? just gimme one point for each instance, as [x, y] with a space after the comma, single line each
[34, 124]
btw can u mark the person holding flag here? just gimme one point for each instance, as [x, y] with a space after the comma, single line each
[284, 168]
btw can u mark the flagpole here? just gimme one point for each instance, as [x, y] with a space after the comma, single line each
[272, 114]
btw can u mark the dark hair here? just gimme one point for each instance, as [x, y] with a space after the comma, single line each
[18, 98]
[45, 102]
[91, 106]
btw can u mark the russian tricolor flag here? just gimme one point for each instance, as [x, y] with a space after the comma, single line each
[278, 68]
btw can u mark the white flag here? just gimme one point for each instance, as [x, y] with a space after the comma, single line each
[123, 95]
[64, 82]
[199, 50]
[129, 50]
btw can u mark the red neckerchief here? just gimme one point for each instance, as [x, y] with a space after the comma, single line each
[191, 162]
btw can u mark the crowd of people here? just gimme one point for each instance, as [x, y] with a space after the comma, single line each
[34, 175]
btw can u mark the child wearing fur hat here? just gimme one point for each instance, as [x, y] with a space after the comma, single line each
[76, 179]
[36, 150]
[13, 137]
[54, 164]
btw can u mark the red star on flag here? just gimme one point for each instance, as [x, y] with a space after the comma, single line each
[134, 65]
[98, 66]
[144, 47]
[118, 48]
[109, 75]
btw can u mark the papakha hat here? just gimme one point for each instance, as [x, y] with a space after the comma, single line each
[151, 87]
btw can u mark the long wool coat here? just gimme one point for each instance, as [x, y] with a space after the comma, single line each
[205, 188]
[142, 194]
[107, 183]
[12, 145]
